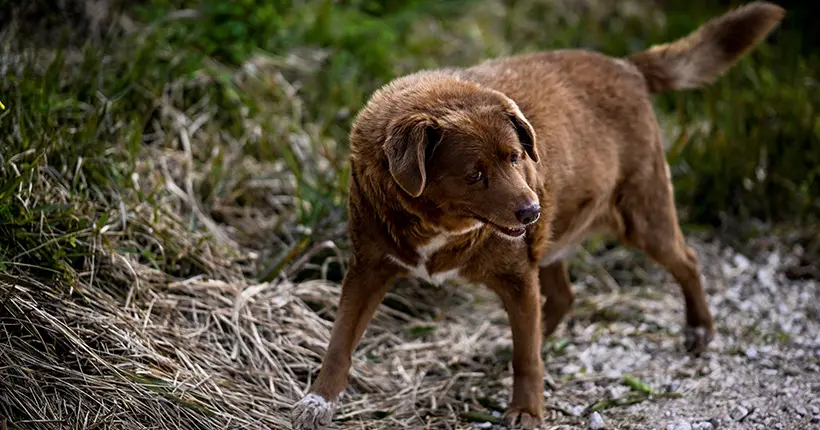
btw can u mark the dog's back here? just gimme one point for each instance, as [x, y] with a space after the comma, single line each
[593, 113]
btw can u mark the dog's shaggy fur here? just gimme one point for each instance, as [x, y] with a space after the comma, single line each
[494, 173]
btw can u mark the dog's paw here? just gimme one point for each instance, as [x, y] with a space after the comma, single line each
[519, 418]
[312, 412]
[696, 339]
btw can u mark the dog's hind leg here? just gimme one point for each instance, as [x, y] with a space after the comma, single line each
[650, 224]
[557, 289]
[363, 289]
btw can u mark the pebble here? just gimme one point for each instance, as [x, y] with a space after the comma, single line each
[801, 411]
[570, 369]
[577, 410]
[680, 425]
[738, 413]
[751, 352]
[672, 387]
[815, 419]
[484, 425]
[703, 425]
[596, 421]
[768, 363]
[791, 371]
[617, 391]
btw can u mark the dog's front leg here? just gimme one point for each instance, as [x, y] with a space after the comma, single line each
[522, 301]
[363, 288]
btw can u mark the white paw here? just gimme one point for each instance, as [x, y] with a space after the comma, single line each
[313, 412]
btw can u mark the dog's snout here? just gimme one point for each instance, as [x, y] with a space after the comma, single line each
[528, 214]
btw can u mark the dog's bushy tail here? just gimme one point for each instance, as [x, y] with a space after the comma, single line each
[702, 56]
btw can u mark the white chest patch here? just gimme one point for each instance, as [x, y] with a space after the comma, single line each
[426, 251]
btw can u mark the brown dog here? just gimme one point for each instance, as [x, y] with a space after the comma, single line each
[495, 172]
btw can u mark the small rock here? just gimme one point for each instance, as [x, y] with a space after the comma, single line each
[570, 369]
[741, 262]
[596, 421]
[815, 419]
[715, 422]
[738, 413]
[751, 352]
[703, 425]
[791, 371]
[768, 363]
[680, 425]
[815, 388]
[577, 410]
[801, 411]
[672, 387]
[484, 425]
[815, 410]
[617, 391]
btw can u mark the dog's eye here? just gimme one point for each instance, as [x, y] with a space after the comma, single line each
[514, 158]
[476, 176]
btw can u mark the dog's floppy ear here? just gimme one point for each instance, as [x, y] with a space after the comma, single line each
[526, 134]
[406, 145]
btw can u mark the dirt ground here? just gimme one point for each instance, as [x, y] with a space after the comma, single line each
[620, 345]
[205, 353]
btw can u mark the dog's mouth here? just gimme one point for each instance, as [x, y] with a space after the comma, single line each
[511, 232]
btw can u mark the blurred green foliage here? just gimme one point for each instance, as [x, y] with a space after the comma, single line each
[752, 147]
[365, 39]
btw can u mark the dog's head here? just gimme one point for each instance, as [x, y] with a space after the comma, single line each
[470, 155]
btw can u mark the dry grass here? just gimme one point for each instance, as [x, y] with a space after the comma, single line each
[132, 350]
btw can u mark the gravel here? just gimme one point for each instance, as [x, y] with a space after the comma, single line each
[761, 371]
[596, 421]
[680, 425]
[738, 413]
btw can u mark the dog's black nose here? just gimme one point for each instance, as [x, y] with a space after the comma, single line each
[529, 214]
